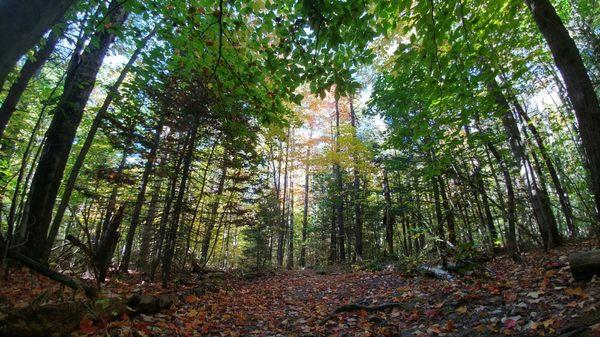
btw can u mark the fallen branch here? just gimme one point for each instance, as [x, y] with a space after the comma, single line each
[72, 283]
[357, 307]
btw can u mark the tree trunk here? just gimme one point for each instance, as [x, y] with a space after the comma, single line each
[563, 196]
[358, 218]
[290, 260]
[448, 210]
[539, 200]
[30, 68]
[106, 246]
[178, 206]
[112, 199]
[339, 195]
[148, 231]
[89, 139]
[579, 86]
[489, 219]
[333, 238]
[441, 246]
[511, 235]
[22, 25]
[61, 133]
[164, 219]
[388, 215]
[282, 214]
[214, 209]
[141, 197]
[305, 212]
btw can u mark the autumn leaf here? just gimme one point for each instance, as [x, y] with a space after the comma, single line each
[86, 326]
[462, 310]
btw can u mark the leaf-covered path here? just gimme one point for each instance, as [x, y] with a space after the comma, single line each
[536, 298]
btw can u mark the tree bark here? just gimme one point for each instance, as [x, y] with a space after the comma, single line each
[61, 133]
[22, 25]
[579, 86]
[29, 69]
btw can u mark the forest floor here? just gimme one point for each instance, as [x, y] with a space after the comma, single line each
[535, 298]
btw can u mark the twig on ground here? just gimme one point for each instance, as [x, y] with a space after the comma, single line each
[357, 307]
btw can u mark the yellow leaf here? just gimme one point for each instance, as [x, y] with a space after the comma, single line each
[576, 292]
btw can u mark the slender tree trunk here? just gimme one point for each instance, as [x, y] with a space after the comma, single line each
[539, 200]
[148, 230]
[339, 195]
[579, 86]
[388, 215]
[30, 68]
[214, 209]
[358, 217]
[200, 200]
[489, 219]
[89, 139]
[290, 256]
[333, 238]
[178, 207]
[440, 220]
[305, 212]
[563, 196]
[511, 235]
[164, 219]
[282, 215]
[141, 197]
[22, 25]
[448, 211]
[61, 133]
[112, 200]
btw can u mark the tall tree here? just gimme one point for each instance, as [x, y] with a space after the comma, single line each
[31, 66]
[22, 25]
[59, 138]
[339, 191]
[141, 197]
[579, 86]
[358, 217]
